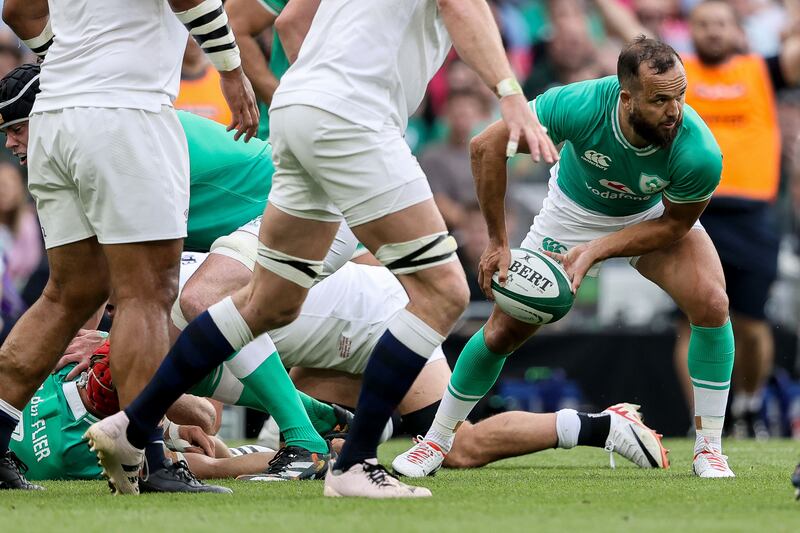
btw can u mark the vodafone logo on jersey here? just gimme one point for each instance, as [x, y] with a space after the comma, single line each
[597, 159]
[616, 186]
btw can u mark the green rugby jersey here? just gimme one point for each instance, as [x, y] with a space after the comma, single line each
[602, 172]
[278, 64]
[229, 184]
[49, 437]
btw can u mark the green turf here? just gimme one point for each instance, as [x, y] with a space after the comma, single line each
[564, 491]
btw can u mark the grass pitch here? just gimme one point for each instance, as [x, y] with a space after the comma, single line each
[556, 490]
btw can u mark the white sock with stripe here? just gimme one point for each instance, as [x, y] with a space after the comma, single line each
[451, 413]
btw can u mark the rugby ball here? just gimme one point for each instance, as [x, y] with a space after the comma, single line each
[537, 290]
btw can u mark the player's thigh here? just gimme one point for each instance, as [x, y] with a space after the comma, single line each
[147, 270]
[690, 271]
[330, 386]
[429, 386]
[131, 168]
[79, 275]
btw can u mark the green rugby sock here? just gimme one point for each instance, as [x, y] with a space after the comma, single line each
[222, 385]
[476, 371]
[711, 355]
[258, 366]
[321, 414]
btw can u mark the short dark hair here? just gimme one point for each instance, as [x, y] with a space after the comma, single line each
[659, 56]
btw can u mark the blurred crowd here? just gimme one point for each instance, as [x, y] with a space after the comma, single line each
[549, 43]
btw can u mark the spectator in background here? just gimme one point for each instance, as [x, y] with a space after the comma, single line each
[762, 21]
[735, 94]
[568, 56]
[21, 247]
[447, 163]
[20, 236]
[10, 51]
[199, 91]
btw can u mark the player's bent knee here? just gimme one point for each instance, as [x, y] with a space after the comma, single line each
[711, 308]
[77, 299]
[466, 451]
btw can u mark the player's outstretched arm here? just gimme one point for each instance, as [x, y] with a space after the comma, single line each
[488, 159]
[477, 40]
[633, 241]
[621, 21]
[293, 24]
[208, 24]
[248, 19]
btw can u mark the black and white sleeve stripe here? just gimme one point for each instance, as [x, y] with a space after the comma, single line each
[208, 24]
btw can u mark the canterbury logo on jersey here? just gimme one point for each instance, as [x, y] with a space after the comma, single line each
[597, 159]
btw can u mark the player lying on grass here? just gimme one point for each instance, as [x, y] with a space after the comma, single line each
[339, 323]
[636, 171]
[229, 184]
[49, 438]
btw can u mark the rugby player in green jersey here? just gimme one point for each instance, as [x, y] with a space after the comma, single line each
[229, 185]
[637, 169]
[49, 438]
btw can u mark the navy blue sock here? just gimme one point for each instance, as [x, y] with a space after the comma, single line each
[199, 349]
[391, 370]
[7, 426]
[154, 450]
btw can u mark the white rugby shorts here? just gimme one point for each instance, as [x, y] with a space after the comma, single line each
[562, 224]
[326, 167]
[120, 174]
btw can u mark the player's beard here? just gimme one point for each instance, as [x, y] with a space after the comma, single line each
[652, 133]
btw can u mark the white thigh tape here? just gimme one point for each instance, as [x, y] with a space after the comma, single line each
[419, 254]
[178, 319]
[295, 269]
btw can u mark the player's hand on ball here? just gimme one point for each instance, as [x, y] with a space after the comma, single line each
[80, 351]
[522, 123]
[576, 262]
[496, 258]
[241, 100]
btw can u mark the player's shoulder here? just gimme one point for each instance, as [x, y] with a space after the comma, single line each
[695, 144]
[598, 90]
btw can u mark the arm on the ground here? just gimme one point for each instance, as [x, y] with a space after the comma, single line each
[224, 55]
[789, 57]
[193, 411]
[633, 241]
[248, 19]
[476, 38]
[488, 159]
[186, 438]
[28, 18]
[209, 468]
[621, 21]
[293, 24]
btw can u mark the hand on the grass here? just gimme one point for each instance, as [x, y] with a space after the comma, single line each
[80, 351]
[576, 262]
[496, 258]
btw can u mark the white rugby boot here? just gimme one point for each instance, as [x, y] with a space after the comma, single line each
[369, 479]
[121, 461]
[629, 437]
[423, 459]
[710, 463]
